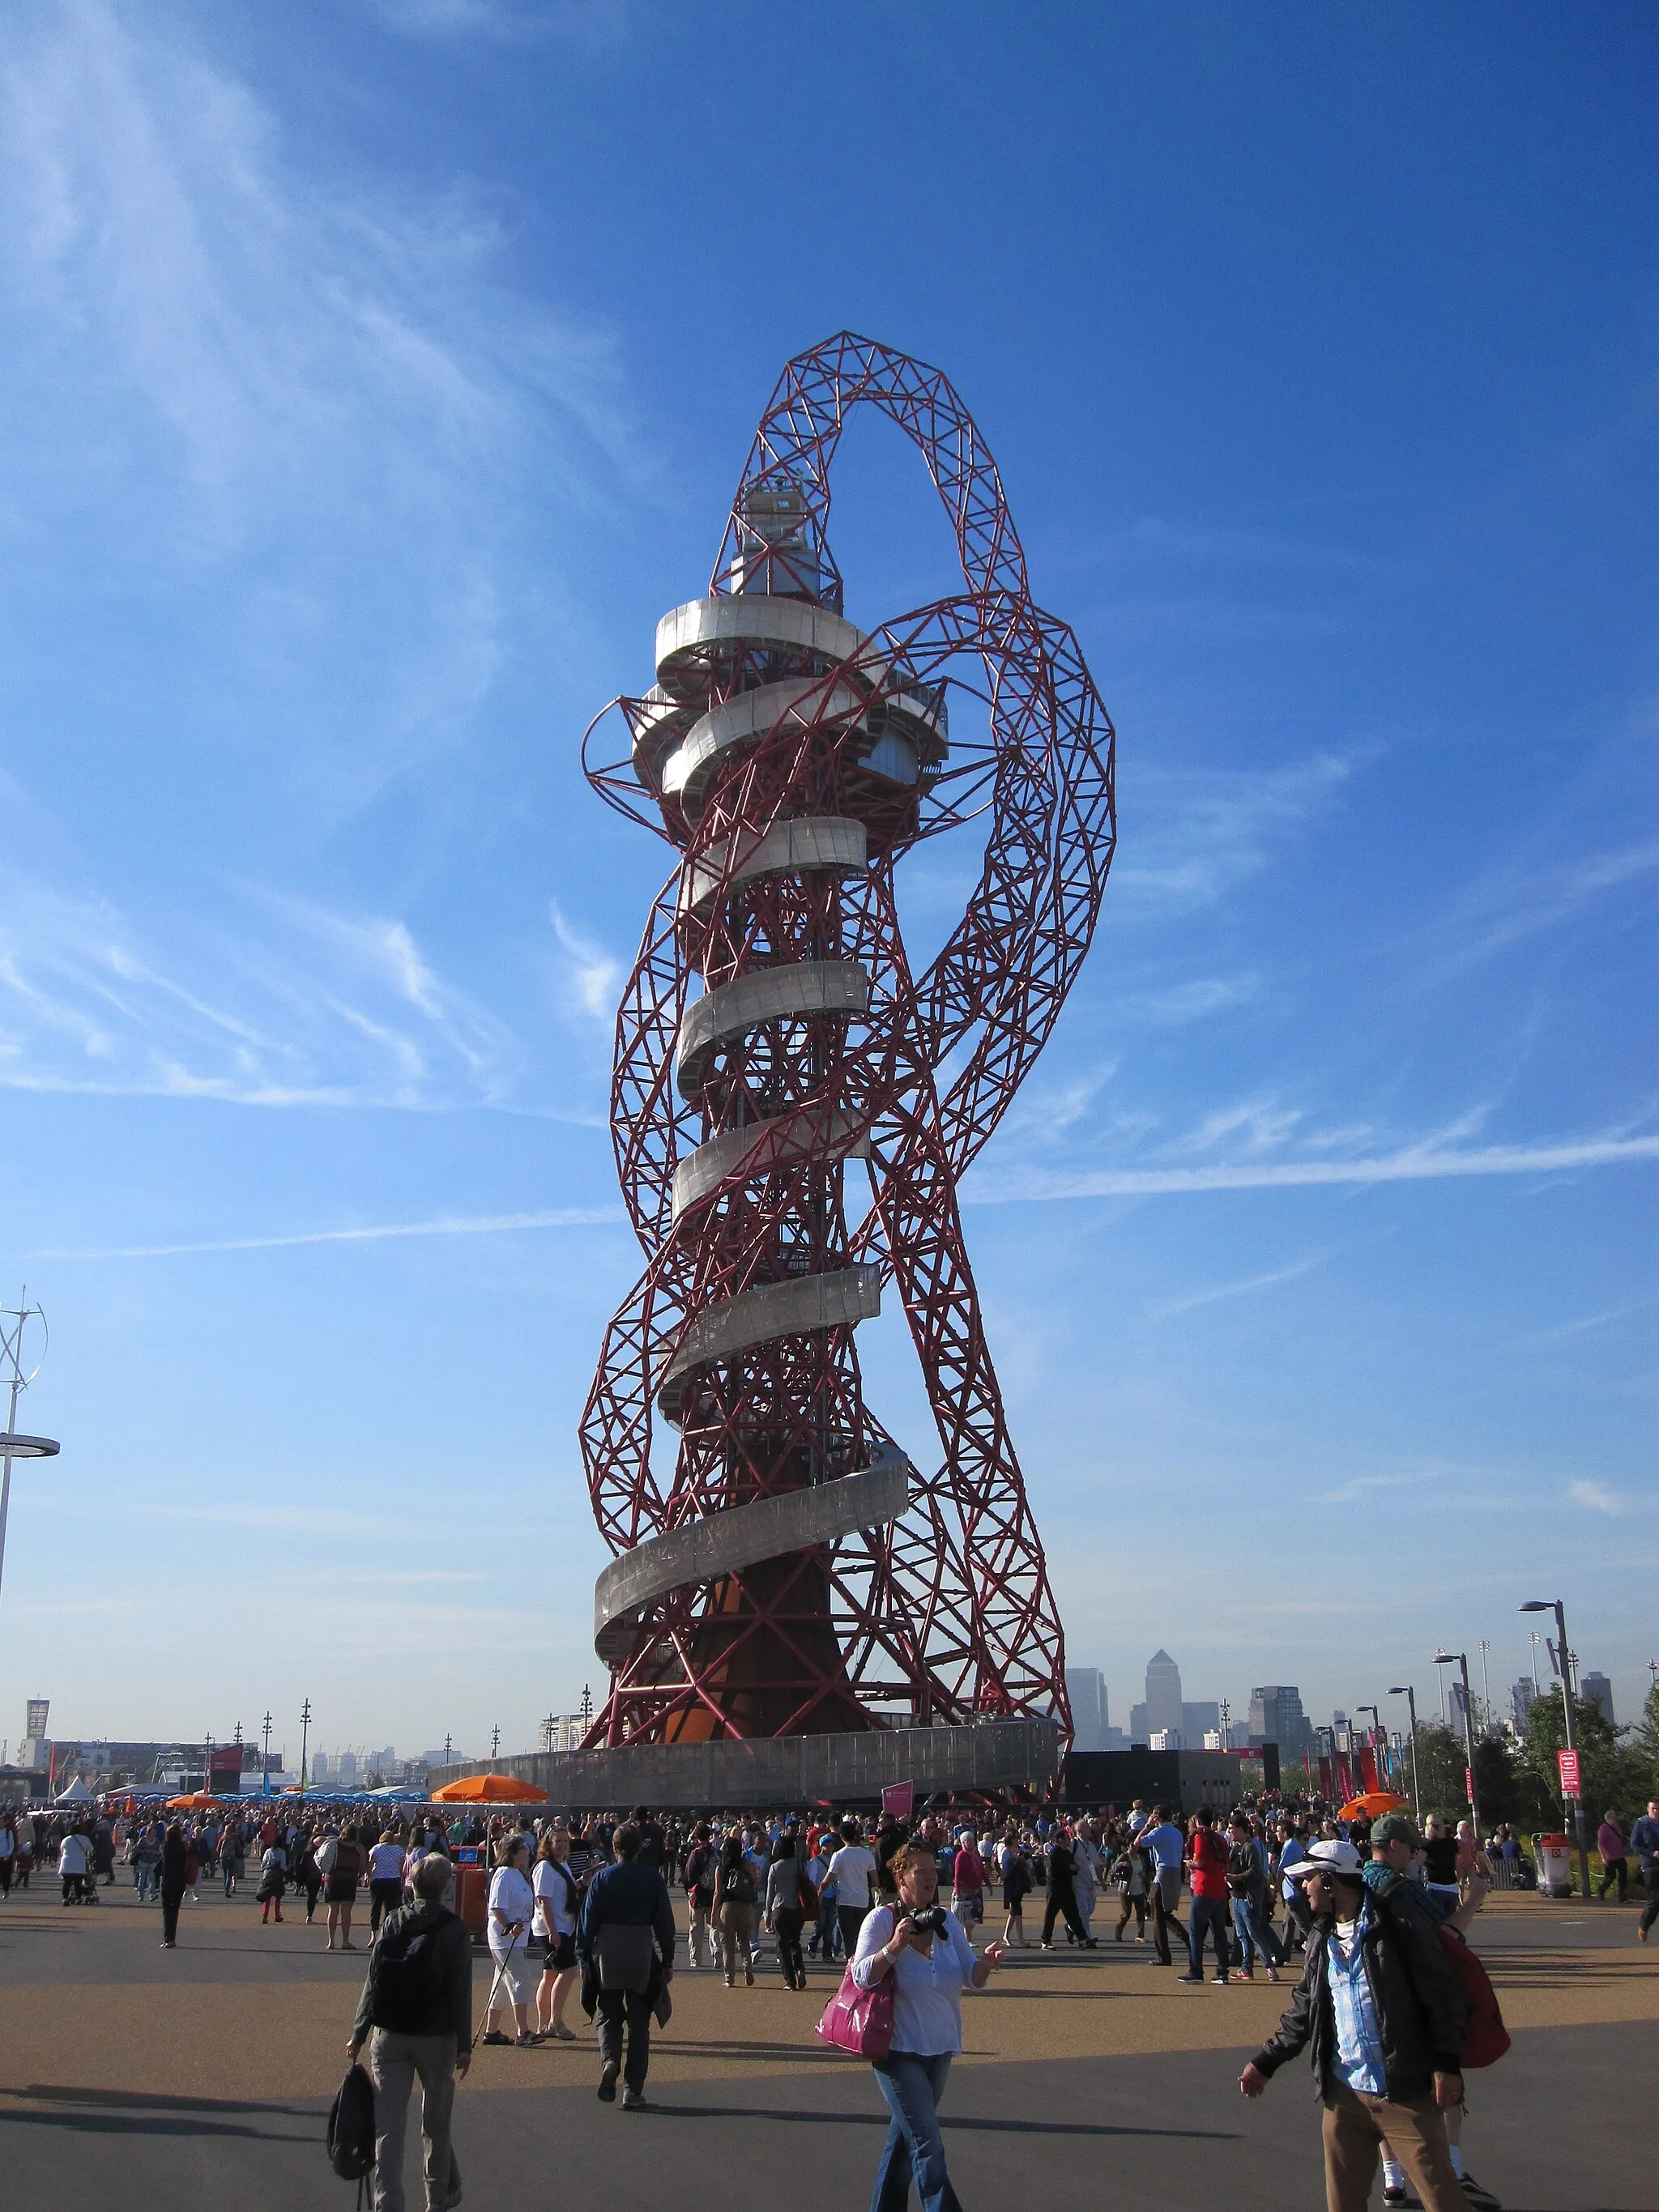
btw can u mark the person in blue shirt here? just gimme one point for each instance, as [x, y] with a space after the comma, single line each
[1167, 1846]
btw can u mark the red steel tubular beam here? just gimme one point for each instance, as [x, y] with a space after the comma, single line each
[772, 1035]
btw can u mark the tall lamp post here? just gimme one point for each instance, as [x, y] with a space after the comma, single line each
[1563, 1666]
[305, 1738]
[13, 1321]
[1405, 1689]
[1461, 1660]
[265, 1764]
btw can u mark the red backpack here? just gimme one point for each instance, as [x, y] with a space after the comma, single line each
[1486, 2038]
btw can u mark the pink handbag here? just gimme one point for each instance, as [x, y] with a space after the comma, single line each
[860, 2020]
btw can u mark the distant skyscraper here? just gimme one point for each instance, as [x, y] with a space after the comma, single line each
[1522, 1698]
[1085, 1687]
[319, 1768]
[1139, 1731]
[1596, 1690]
[1162, 1692]
[1276, 1716]
[1198, 1717]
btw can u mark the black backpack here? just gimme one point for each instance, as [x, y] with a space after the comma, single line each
[405, 1987]
[351, 2128]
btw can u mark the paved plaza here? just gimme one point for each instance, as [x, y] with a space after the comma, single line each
[179, 2078]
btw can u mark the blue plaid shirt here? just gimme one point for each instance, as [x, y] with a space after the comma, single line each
[1359, 2060]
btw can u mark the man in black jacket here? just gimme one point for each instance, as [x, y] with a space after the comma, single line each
[625, 1938]
[1380, 2006]
[429, 1991]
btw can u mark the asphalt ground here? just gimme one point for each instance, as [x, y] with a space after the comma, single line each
[175, 2077]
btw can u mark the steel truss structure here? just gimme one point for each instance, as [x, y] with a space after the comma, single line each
[796, 1573]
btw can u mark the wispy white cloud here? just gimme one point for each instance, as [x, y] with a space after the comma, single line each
[1588, 1322]
[1510, 904]
[590, 973]
[1198, 998]
[1190, 835]
[1425, 1162]
[223, 361]
[447, 1225]
[1167, 1308]
[589, 23]
[1597, 1497]
[304, 1008]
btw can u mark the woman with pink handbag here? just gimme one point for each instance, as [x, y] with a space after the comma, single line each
[900, 2006]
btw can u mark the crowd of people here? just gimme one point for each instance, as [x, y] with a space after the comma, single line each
[587, 1907]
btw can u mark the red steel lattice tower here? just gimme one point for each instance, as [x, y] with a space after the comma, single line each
[796, 1573]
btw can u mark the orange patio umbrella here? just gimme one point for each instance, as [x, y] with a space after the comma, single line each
[1372, 1806]
[197, 1801]
[489, 1789]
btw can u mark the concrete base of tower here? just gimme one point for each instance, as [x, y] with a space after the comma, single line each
[771, 1772]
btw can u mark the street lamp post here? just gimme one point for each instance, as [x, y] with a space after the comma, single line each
[13, 1445]
[1577, 1799]
[1405, 1689]
[1461, 1660]
[1485, 1683]
[305, 1738]
[264, 1764]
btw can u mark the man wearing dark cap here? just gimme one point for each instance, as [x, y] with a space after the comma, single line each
[1379, 2003]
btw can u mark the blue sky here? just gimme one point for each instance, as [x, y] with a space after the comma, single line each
[371, 376]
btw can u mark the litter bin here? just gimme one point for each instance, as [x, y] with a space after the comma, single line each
[1554, 1856]
[472, 1890]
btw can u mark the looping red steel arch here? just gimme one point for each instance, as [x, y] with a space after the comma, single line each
[732, 1160]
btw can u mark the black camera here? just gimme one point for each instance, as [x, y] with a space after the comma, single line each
[933, 1922]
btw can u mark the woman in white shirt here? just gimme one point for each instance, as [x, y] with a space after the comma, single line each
[557, 1898]
[512, 1903]
[386, 1877]
[926, 1950]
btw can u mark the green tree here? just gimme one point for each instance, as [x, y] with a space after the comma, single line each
[1615, 1776]
[1644, 1742]
[1441, 1760]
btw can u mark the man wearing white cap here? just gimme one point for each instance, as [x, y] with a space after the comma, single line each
[1385, 2021]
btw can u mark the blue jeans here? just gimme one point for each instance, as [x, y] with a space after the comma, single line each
[911, 2087]
[1254, 1935]
[1207, 1913]
[144, 1878]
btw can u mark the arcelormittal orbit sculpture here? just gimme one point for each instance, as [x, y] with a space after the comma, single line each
[791, 1571]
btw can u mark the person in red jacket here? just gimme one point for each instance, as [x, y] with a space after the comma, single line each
[1206, 1871]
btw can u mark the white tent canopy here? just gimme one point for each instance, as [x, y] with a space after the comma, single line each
[77, 1794]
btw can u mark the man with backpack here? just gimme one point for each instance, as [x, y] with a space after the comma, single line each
[1395, 1848]
[625, 1939]
[1381, 2009]
[416, 2015]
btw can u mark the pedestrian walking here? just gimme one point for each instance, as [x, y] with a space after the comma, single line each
[175, 1880]
[147, 1860]
[273, 1881]
[1380, 2009]
[386, 1877]
[925, 1949]
[558, 1901]
[853, 1870]
[735, 1896]
[700, 1861]
[416, 2015]
[1206, 1863]
[74, 1867]
[1160, 1837]
[785, 1911]
[347, 1866]
[1062, 1894]
[625, 1938]
[510, 1909]
[1087, 1867]
[1645, 1842]
[1131, 1871]
[1299, 1921]
[1018, 1883]
[968, 1879]
[1610, 1842]
[1247, 1889]
[7, 1851]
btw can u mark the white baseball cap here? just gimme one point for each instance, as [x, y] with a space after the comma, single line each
[1333, 1855]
